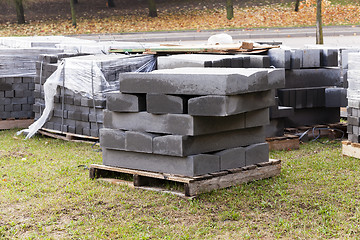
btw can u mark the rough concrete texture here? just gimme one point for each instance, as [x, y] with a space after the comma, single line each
[187, 166]
[121, 102]
[139, 141]
[257, 153]
[181, 124]
[197, 81]
[163, 103]
[311, 58]
[279, 58]
[112, 138]
[318, 77]
[179, 145]
[232, 158]
[213, 105]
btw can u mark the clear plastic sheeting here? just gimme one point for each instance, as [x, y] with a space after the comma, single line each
[89, 76]
[21, 61]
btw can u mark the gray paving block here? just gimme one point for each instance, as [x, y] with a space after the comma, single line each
[180, 124]
[335, 97]
[281, 112]
[296, 58]
[196, 81]
[179, 145]
[275, 128]
[311, 58]
[163, 103]
[112, 138]
[259, 61]
[319, 77]
[257, 118]
[329, 57]
[121, 102]
[186, 166]
[232, 158]
[257, 153]
[313, 116]
[139, 141]
[213, 105]
[279, 58]
[354, 138]
[276, 78]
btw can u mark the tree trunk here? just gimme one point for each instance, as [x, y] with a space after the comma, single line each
[152, 8]
[319, 30]
[73, 13]
[297, 3]
[110, 3]
[229, 9]
[20, 11]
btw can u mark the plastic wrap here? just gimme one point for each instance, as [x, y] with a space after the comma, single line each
[86, 75]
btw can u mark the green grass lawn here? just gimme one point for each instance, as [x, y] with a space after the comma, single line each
[47, 194]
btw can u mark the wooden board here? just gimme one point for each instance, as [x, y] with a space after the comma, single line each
[193, 186]
[286, 142]
[351, 149]
[198, 48]
[67, 136]
[15, 123]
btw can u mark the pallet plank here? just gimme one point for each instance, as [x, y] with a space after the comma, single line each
[350, 149]
[225, 181]
[15, 123]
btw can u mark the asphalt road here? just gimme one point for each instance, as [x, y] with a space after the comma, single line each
[293, 37]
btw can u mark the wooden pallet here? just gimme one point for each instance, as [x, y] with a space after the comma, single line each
[15, 123]
[192, 186]
[351, 149]
[286, 142]
[67, 136]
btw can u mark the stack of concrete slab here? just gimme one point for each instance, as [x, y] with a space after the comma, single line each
[353, 109]
[189, 121]
[73, 111]
[16, 97]
[313, 85]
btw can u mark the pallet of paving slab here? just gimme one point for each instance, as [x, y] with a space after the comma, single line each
[15, 123]
[191, 186]
[286, 142]
[351, 149]
[67, 136]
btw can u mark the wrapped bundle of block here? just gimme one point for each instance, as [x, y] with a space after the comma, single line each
[313, 84]
[353, 109]
[189, 121]
[80, 84]
[16, 97]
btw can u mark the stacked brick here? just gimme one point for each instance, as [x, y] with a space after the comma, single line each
[16, 97]
[189, 121]
[313, 85]
[353, 109]
[75, 112]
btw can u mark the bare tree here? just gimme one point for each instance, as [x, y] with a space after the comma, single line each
[229, 9]
[73, 13]
[19, 11]
[297, 3]
[319, 30]
[152, 8]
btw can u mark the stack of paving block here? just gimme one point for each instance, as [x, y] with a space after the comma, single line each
[16, 97]
[353, 109]
[74, 112]
[189, 121]
[313, 85]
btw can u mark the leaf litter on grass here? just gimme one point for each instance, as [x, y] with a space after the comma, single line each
[266, 16]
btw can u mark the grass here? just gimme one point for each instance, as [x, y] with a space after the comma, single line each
[47, 194]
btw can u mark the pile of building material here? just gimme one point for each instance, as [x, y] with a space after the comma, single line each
[313, 85]
[189, 121]
[81, 86]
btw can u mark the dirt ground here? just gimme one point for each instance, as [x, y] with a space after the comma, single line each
[42, 10]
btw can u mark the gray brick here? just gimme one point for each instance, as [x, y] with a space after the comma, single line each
[279, 58]
[232, 158]
[229, 105]
[139, 141]
[311, 58]
[189, 166]
[178, 145]
[257, 153]
[112, 139]
[120, 102]
[162, 103]
[299, 78]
